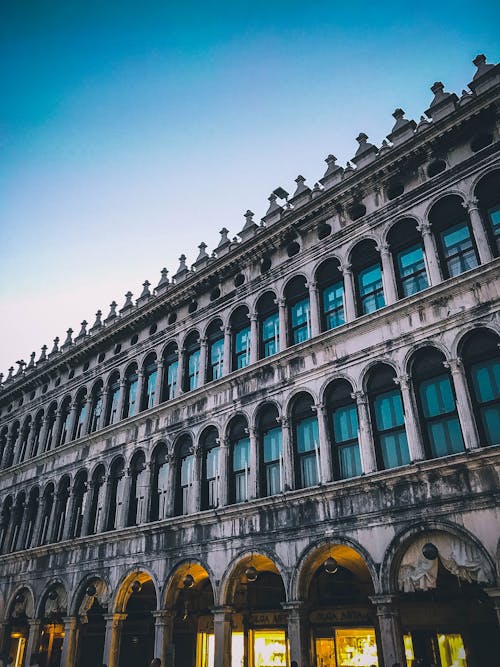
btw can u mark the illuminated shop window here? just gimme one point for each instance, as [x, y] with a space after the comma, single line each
[269, 648]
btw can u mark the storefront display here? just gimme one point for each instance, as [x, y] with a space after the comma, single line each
[17, 647]
[347, 647]
[450, 648]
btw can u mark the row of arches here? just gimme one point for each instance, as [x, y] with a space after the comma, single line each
[446, 408]
[334, 597]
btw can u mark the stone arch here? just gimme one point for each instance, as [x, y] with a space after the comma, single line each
[395, 221]
[257, 297]
[348, 250]
[333, 378]
[191, 333]
[331, 256]
[490, 169]
[230, 419]
[194, 566]
[345, 550]
[402, 540]
[286, 283]
[423, 344]
[371, 365]
[119, 600]
[260, 559]
[260, 407]
[61, 588]
[470, 329]
[103, 592]
[16, 606]
[289, 403]
[454, 192]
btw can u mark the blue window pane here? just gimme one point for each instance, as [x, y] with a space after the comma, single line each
[394, 449]
[172, 379]
[388, 410]
[273, 479]
[411, 267]
[150, 389]
[345, 423]
[194, 369]
[132, 391]
[486, 380]
[301, 321]
[349, 460]
[270, 335]
[333, 305]
[437, 396]
[491, 420]
[458, 249]
[242, 347]
[217, 359]
[187, 470]
[272, 445]
[494, 216]
[308, 470]
[240, 454]
[212, 465]
[445, 436]
[307, 434]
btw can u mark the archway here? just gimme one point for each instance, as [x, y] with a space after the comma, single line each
[447, 618]
[189, 599]
[137, 600]
[20, 612]
[255, 591]
[53, 609]
[335, 582]
[92, 605]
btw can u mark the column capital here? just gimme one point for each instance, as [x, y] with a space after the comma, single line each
[383, 248]
[284, 421]
[203, 340]
[34, 622]
[115, 619]
[386, 604]
[312, 285]
[454, 365]
[360, 397]
[254, 317]
[281, 302]
[228, 329]
[346, 268]
[252, 431]
[471, 204]
[163, 615]
[223, 612]
[403, 381]
[319, 408]
[424, 228]
[295, 606]
[70, 621]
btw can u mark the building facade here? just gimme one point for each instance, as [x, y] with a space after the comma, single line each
[288, 453]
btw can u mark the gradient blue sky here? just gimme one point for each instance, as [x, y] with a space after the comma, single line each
[132, 131]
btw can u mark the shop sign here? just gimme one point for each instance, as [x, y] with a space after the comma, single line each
[350, 616]
[269, 619]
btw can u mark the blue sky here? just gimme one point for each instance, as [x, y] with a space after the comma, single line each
[132, 131]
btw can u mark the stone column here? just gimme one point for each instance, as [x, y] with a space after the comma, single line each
[222, 636]
[195, 491]
[60, 418]
[112, 638]
[160, 367]
[202, 371]
[180, 371]
[103, 518]
[43, 435]
[122, 520]
[253, 464]
[494, 595]
[415, 444]
[121, 403]
[349, 293]
[388, 277]
[164, 626]
[37, 530]
[298, 633]
[480, 236]
[25, 436]
[431, 256]
[52, 517]
[88, 415]
[288, 481]
[227, 361]
[223, 471]
[21, 542]
[366, 446]
[325, 447]
[7, 452]
[139, 393]
[92, 488]
[254, 338]
[464, 404]
[104, 408]
[70, 518]
[32, 644]
[282, 323]
[314, 307]
[73, 419]
[391, 634]
[68, 655]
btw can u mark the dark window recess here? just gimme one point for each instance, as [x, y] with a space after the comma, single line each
[134, 339]
[214, 294]
[118, 348]
[394, 190]
[436, 168]
[481, 141]
[101, 357]
[172, 318]
[57, 382]
[324, 230]
[86, 366]
[239, 280]
[193, 307]
[153, 329]
[292, 249]
[44, 389]
[357, 211]
[265, 265]
[32, 395]
[20, 402]
[71, 374]
[9, 409]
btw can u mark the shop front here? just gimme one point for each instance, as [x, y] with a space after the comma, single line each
[344, 637]
[54, 609]
[18, 626]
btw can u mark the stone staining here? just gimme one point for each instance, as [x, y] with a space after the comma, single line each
[286, 453]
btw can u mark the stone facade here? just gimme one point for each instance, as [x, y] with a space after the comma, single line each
[290, 449]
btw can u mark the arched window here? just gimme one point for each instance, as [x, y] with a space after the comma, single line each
[60, 511]
[185, 471]
[436, 402]
[271, 479]
[96, 406]
[405, 243]
[159, 486]
[47, 505]
[388, 420]
[79, 504]
[331, 293]
[5, 520]
[17, 522]
[239, 448]
[170, 370]
[25, 436]
[116, 494]
[130, 399]
[65, 419]
[149, 385]
[50, 421]
[112, 415]
[488, 194]
[306, 442]
[269, 325]
[481, 357]
[343, 423]
[210, 481]
[299, 310]
[3, 442]
[37, 431]
[139, 487]
[98, 488]
[215, 342]
[367, 271]
[455, 241]
[192, 362]
[31, 516]
[240, 332]
[81, 412]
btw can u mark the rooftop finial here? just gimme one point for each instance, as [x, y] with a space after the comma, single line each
[486, 76]
[55, 349]
[112, 312]
[249, 228]
[366, 152]
[224, 240]
[145, 289]
[83, 330]
[43, 355]
[128, 305]
[31, 363]
[442, 104]
[164, 282]
[98, 323]
[10, 375]
[203, 252]
[333, 172]
[21, 364]
[403, 128]
[69, 340]
[183, 270]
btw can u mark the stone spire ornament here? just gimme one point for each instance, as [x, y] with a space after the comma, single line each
[333, 173]
[112, 312]
[128, 305]
[98, 323]
[273, 213]
[43, 355]
[203, 258]
[249, 228]
[83, 331]
[403, 128]
[10, 376]
[366, 152]
[55, 349]
[486, 76]
[21, 364]
[145, 294]
[182, 271]
[442, 104]
[164, 283]
[224, 243]
[31, 363]
[349, 169]
[1, 379]
[69, 340]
